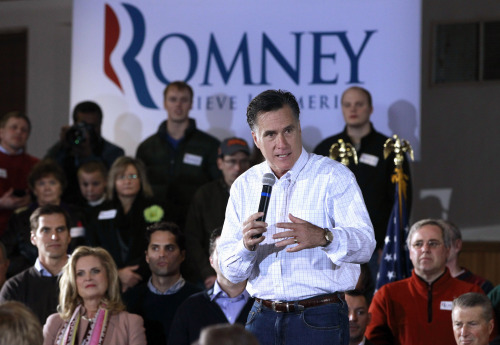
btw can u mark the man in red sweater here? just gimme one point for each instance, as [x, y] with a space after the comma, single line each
[417, 310]
[15, 165]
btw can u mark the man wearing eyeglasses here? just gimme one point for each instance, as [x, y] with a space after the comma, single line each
[417, 310]
[208, 209]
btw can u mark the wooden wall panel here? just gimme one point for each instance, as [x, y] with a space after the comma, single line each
[482, 258]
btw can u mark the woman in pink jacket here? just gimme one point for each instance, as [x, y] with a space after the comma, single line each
[90, 308]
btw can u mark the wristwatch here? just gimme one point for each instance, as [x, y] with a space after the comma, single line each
[328, 237]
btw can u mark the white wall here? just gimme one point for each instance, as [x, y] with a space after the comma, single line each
[460, 122]
[49, 54]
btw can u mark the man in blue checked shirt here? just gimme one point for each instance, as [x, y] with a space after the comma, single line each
[316, 233]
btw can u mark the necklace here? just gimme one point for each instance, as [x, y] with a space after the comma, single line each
[88, 319]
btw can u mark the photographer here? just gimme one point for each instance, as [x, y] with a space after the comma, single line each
[80, 143]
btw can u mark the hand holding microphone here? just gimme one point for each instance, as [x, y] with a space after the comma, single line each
[268, 181]
[250, 239]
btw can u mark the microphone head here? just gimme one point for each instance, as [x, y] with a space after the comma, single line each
[268, 179]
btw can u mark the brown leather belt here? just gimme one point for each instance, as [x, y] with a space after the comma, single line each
[293, 306]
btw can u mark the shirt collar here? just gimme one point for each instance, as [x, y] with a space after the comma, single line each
[294, 172]
[217, 292]
[97, 202]
[43, 271]
[18, 152]
[173, 289]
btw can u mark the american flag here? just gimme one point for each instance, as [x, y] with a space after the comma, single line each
[395, 264]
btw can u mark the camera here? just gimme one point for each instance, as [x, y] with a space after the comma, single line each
[79, 133]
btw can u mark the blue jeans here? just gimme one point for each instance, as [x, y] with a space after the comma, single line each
[323, 325]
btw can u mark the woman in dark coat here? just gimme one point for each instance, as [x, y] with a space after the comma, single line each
[121, 222]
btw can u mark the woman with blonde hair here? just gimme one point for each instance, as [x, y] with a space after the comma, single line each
[121, 222]
[90, 310]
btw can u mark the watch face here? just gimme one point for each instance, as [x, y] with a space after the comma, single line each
[328, 236]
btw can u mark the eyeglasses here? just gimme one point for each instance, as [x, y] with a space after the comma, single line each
[127, 177]
[233, 162]
[432, 244]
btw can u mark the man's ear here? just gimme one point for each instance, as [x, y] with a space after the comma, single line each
[219, 163]
[254, 137]
[32, 238]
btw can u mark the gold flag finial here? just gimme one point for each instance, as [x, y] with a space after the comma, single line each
[341, 152]
[399, 147]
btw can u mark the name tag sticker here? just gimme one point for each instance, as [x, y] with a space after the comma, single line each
[446, 305]
[77, 231]
[369, 159]
[3, 173]
[108, 214]
[191, 159]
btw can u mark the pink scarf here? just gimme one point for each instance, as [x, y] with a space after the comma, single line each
[95, 334]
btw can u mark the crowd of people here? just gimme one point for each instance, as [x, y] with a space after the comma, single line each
[172, 247]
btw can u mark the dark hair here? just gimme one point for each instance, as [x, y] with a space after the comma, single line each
[226, 334]
[362, 90]
[14, 114]
[271, 100]
[359, 293]
[87, 107]
[213, 238]
[4, 252]
[167, 226]
[179, 85]
[93, 166]
[48, 210]
[44, 168]
[474, 299]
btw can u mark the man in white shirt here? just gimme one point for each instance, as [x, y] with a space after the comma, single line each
[317, 233]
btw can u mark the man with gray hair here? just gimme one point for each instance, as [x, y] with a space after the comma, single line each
[472, 317]
[456, 270]
[417, 310]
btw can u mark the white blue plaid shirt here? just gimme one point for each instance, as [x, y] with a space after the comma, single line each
[318, 190]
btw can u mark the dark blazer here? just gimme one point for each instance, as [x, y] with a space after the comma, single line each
[197, 312]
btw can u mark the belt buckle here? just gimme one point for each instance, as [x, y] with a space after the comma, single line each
[273, 306]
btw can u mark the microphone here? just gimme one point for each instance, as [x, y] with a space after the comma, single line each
[268, 181]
